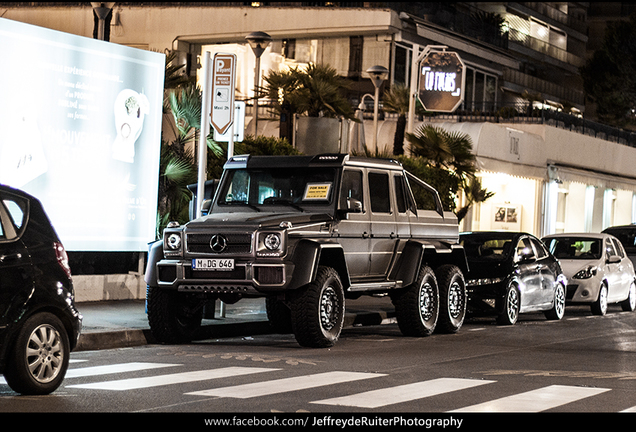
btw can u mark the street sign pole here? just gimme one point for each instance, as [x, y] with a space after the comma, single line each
[205, 130]
[223, 78]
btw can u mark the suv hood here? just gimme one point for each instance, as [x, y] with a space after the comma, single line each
[257, 220]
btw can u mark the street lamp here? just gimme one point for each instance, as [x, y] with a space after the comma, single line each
[259, 41]
[102, 9]
[377, 74]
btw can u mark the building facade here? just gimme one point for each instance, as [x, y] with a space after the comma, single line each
[523, 105]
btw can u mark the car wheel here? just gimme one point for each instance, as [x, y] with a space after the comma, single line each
[511, 304]
[630, 303]
[417, 306]
[173, 317]
[39, 357]
[599, 307]
[452, 297]
[317, 310]
[558, 309]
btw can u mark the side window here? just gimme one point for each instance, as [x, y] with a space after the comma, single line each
[17, 211]
[424, 199]
[524, 249]
[619, 248]
[539, 249]
[379, 192]
[351, 187]
[609, 248]
[400, 193]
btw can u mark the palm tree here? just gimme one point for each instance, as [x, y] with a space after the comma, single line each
[316, 91]
[396, 100]
[452, 152]
[178, 166]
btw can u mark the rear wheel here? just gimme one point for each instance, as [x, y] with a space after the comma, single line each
[452, 298]
[39, 358]
[173, 317]
[317, 310]
[417, 306]
[558, 309]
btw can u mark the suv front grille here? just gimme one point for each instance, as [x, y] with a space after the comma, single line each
[236, 243]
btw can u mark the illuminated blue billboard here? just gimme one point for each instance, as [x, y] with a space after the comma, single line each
[80, 129]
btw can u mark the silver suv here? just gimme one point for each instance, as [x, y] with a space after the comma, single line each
[307, 232]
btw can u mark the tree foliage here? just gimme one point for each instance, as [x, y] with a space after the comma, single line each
[609, 77]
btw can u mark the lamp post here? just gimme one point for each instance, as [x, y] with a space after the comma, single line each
[259, 41]
[377, 74]
[102, 9]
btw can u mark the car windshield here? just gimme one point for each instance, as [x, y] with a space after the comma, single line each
[575, 248]
[293, 187]
[482, 248]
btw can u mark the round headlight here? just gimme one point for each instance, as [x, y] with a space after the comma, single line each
[174, 241]
[272, 241]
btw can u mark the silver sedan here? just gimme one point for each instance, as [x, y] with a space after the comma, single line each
[598, 270]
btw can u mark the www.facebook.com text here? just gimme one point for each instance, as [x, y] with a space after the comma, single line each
[338, 422]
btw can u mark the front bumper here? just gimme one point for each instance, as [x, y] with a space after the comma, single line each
[247, 277]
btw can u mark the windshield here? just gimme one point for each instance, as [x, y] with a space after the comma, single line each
[293, 187]
[485, 248]
[574, 248]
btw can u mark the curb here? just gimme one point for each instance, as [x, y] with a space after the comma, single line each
[138, 337]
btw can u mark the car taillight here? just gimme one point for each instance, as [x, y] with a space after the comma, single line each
[62, 258]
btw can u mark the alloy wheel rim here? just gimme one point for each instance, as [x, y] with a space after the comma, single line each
[45, 353]
[426, 302]
[455, 300]
[329, 306]
[513, 305]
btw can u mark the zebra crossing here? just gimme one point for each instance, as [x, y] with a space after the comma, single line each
[538, 400]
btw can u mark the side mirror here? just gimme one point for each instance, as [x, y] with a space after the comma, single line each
[352, 206]
[613, 259]
[206, 205]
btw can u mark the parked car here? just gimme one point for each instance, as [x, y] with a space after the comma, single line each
[626, 234]
[511, 273]
[598, 270]
[39, 323]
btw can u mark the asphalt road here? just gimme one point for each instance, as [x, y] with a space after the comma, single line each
[581, 364]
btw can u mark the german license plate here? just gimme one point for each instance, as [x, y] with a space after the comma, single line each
[223, 264]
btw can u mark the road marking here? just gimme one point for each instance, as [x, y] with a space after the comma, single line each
[403, 393]
[117, 368]
[178, 378]
[536, 400]
[285, 385]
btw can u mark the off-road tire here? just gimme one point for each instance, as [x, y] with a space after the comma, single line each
[417, 306]
[452, 298]
[317, 310]
[39, 357]
[173, 317]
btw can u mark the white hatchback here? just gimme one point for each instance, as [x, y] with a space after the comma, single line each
[598, 270]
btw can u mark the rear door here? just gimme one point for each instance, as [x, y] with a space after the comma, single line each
[16, 279]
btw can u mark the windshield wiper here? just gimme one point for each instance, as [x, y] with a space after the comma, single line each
[280, 201]
[245, 203]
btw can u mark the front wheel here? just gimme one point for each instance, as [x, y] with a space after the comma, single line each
[558, 309]
[599, 307]
[510, 309]
[417, 306]
[452, 297]
[317, 310]
[39, 358]
[630, 303]
[173, 317]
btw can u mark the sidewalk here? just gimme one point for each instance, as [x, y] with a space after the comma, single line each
[124, 323]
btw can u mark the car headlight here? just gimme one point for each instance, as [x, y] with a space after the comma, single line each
[586, 273]
[172, 243]
[272, 241]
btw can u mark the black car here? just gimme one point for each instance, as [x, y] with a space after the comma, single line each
[39, 324]
[511, 273]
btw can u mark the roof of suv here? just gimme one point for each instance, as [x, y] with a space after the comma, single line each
[294, 161]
